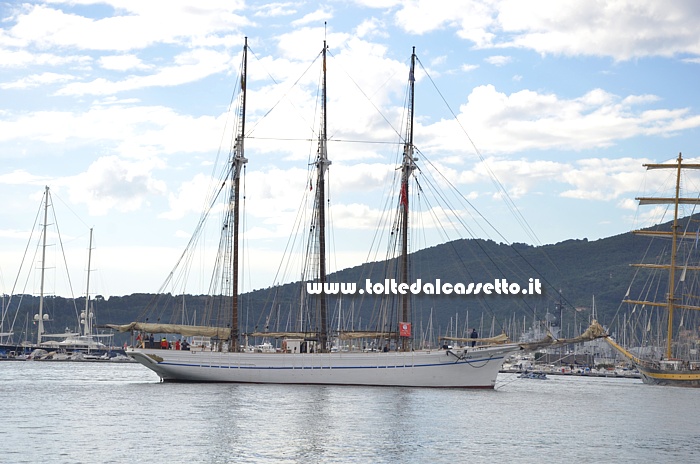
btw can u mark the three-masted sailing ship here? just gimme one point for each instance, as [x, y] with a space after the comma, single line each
[662, 323]
[307, 356]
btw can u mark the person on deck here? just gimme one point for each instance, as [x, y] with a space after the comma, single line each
[163, 343]
[474, 335]
[177, 344]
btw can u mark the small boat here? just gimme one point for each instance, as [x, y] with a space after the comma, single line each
[533, 375]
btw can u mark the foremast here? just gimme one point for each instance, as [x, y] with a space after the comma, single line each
[238, 162]
[671, 300]
[407, 167]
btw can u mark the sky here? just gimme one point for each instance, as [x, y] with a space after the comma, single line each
[540, 113]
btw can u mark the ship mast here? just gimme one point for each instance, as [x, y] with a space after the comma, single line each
[40, 317]
[670, 304]
[322, 164]
[87, 319]
[238, 162]
[407, 167]
[672, 272]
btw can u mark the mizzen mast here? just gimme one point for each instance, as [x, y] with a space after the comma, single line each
[407, 167]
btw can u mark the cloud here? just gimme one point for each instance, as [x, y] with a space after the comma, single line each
[498, 60]
[21, 177]
[190, 197]
[527, 120]
[371, 27]
[122, 62]
[37, 80]
[24, 58]
[122, 126]
[621, 29]
[114, 183]
[188, 67]
[314, 17]
[46, 27]
[276, 10]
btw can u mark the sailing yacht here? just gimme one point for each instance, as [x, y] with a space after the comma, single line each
[661, 325]
[55, 345]
[306, 356]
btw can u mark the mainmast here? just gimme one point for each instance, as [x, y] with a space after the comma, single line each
[322, 164]
[40, 318]
[671, 300]
[407, 167]
[238, 164]
[674, 252]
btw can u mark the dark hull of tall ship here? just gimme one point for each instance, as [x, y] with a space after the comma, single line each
[676, 378]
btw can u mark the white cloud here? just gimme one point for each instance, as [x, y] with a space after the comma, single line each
[498, 60]
[189, 66]
[371, 27]
[190, 197]
[276, 9]
[37, 80]
[21, 177]
[122, 62]
[525, 120]
[47, 27]
[24, 58]
[134, 131]
[314, 17]
[622, 29]
[114, 183]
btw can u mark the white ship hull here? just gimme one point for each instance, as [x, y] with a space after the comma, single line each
[453, 368]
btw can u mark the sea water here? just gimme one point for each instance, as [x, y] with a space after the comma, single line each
[72, 412]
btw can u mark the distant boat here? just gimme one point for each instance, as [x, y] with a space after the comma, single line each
[533, 375]
[384, 356]
[659, 333]
[57, 345]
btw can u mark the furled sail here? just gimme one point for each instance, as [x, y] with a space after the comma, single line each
[185, 330]
[594, 331]
[502, 338]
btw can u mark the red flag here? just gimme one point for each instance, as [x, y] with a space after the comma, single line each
[405, 329]
[404, 195]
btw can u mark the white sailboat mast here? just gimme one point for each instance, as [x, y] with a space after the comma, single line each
[40, 322]
[87, 320]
